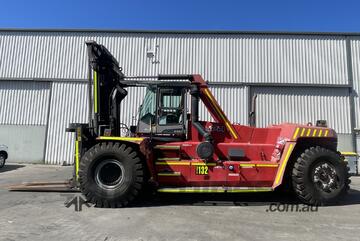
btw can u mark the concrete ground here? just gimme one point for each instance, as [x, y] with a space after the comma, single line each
[43, 216]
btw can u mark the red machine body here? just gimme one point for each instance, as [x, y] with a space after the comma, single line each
[260, 166]
[172, 149]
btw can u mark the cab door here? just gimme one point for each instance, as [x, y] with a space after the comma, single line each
[171, 116]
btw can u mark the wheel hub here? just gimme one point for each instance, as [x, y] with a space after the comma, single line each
[325, 177]
[109, 174]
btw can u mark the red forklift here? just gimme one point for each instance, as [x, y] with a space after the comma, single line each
[172, 151]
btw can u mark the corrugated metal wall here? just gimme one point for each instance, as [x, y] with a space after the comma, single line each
[68, 105]
[250, 58]
[24, 103]
[303, 105]
[130, 105]
[227, 58]
[233, 101]
[355, 54]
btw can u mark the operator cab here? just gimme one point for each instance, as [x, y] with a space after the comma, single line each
[163, 111]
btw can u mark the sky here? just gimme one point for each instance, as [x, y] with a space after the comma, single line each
[255, 15]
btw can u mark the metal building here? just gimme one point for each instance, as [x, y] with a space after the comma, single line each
[298, 77]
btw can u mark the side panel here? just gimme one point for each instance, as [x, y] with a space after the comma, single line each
[178, 165]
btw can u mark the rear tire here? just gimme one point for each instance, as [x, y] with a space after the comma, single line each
[320, 176]
[111, 175]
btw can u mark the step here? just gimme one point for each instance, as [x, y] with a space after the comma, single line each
[172, 163]
[214, 189]
[169, 174]
[169, 159]
[166, 147]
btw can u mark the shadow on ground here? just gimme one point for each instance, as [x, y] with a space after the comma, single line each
[253, 199]
[10, 167]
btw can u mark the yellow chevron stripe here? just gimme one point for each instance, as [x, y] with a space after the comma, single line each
[283, 164]
[303, 131]
[308, 132]
[314, 133]
[296, 133]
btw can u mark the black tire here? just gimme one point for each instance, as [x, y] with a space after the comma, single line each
[320, 176]
[2, 160]
[111, 175]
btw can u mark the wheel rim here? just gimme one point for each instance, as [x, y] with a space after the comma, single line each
[109, 174]
[325, 177]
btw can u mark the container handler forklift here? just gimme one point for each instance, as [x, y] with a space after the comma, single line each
[172, 151]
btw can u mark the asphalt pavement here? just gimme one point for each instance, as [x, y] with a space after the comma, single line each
[263, 216]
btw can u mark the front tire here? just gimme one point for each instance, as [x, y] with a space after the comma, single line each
[111, 175]
[320, 176]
